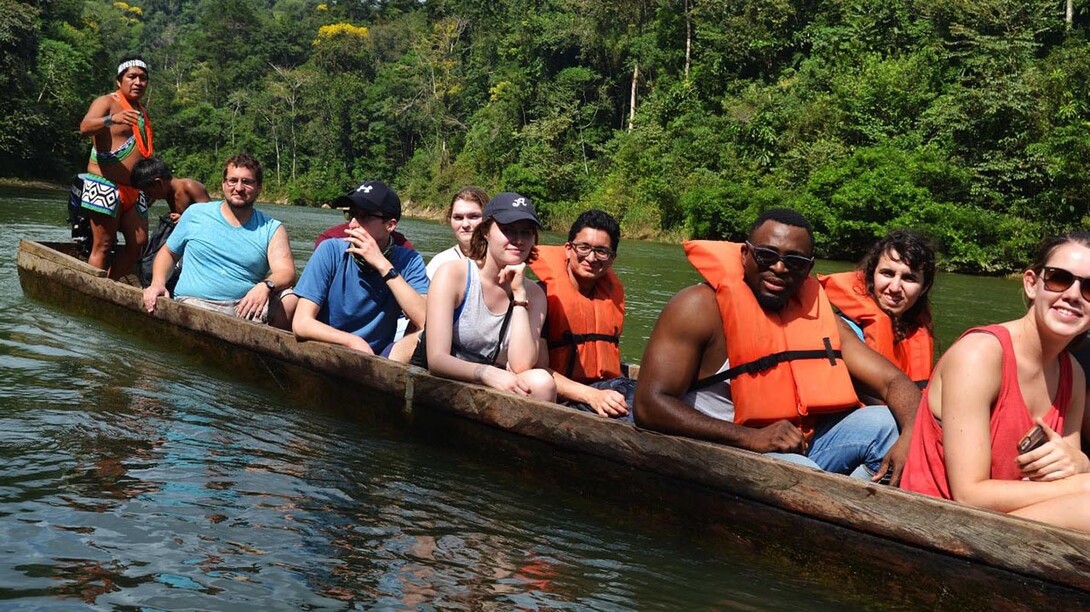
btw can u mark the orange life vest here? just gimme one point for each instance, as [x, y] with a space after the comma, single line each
[913, 355]
[783, 365]
[584, 333]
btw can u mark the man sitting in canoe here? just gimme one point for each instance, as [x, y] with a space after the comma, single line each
[237, 259]
[153, 177]
[354, 289]
[756, 358]
[585, 317]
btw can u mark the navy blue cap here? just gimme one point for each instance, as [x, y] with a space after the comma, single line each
[509, 207]
[373, 197]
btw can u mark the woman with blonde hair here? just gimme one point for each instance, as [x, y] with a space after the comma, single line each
[465, 213]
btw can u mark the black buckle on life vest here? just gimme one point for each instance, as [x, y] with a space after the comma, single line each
[829, 352]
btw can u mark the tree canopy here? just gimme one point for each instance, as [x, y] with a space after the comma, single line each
[684, 118]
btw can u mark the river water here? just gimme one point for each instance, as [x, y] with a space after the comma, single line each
[134, 476]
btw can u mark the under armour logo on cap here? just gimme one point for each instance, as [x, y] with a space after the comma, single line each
[373, 197]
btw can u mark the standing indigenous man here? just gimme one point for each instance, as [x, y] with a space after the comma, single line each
[122, 136]
[585, 317]
[756, 358]
[237, 260]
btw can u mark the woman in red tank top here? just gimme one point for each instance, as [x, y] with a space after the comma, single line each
[995, 384]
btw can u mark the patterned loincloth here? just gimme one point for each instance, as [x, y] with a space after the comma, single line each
[102, 195]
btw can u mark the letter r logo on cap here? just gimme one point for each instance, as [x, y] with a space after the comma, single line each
[519, 202]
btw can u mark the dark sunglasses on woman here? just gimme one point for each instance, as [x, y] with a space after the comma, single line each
[1058, 280]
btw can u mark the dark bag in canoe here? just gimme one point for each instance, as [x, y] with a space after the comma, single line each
[157, 239]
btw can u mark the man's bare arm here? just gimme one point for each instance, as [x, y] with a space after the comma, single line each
[282, 275]
[306, 326]
[688, 326]
[160, 270]
[605, 402]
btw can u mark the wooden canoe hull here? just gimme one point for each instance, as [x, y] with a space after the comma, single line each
[1028, 548]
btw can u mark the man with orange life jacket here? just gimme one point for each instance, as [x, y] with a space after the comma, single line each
[756, 358]
[585, 317]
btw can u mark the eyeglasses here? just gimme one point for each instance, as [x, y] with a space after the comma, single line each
[1058, 280]
[766, 258]
[583, 250]
[360, 215]
[245, 182]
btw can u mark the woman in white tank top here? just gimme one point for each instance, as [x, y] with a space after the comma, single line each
[465, 213]
[467, 305]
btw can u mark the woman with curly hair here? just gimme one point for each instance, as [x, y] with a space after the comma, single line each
[887, 298]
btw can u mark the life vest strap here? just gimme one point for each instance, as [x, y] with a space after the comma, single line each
[768, 362]
[574, 340]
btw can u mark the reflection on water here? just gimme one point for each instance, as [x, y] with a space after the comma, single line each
[135, 477]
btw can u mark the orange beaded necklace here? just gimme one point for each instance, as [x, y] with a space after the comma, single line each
[145, 135]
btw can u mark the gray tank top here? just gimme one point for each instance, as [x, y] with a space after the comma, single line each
[476, 329]
[714, 400]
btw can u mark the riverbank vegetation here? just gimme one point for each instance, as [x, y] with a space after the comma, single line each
[968, 120]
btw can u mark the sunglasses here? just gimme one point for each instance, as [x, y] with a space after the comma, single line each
[1058, 280]
[766, 258]
[360, 215]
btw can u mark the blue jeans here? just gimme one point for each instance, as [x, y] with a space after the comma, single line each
[851, 442]
[622, 385]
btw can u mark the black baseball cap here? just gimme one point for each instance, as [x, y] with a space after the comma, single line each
[373, 197]
[509, 207]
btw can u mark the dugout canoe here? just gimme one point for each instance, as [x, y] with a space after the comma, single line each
[912, 523]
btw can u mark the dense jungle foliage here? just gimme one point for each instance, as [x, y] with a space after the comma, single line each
[967, 119]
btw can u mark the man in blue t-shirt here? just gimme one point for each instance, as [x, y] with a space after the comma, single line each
[237, 259]
[354, 288]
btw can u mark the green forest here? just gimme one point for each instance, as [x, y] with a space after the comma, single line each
[966, 119]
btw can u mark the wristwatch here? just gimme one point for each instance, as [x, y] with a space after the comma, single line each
[271, 285]
[391, 275]
[108, 121]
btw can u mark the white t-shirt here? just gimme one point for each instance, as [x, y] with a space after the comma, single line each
[714, 400]
[452, 254]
